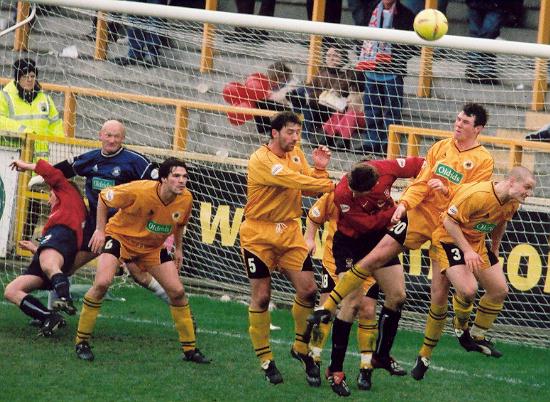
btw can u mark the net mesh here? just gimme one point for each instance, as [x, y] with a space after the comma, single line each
[253, 68]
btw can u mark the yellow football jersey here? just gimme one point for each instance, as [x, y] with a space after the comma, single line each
[324, 210]
[275, 185]
[476, 208]
[446, 162]
[143, 221]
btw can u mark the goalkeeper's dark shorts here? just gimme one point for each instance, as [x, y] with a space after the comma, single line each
[63, 240]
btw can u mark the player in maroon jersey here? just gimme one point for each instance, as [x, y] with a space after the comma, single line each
[363, 198]
[54, 257]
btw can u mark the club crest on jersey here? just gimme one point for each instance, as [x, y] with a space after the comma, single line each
[401, 162]
[344, 208]
[110, 195]
[95, 168]
[453, 210]
[176, 216]
[296, 159]
[315, 212]
[349, 264]
[468, 165]
[276, 169]
[116, 171]
[449, 173]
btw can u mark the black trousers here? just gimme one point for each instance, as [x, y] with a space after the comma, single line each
[247, 7]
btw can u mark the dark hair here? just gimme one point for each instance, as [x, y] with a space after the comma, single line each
[362, 177]
[280, 120]
[478, 111]
[277, 69]
[23, 67]
[168, 165]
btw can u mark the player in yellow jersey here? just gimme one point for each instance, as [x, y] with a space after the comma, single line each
[449, 162]
[271, 236]
[148, 213]
[363, 306]
[478, 210]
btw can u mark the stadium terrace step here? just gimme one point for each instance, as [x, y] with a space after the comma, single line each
[535, 120]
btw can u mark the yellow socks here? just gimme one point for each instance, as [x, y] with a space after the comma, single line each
[184, 325]
[88, 317]
[349, 282]
[367, 331]
[300, 311]
[462, 310]
[259, 333]
[485, 317]
[317, 343]
[435, 324]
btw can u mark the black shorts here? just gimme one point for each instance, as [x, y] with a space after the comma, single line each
[455, 255]
[63, 240]
[114, 249]
[399, 230]
[348, 250]
[327, 283]
[87, 232]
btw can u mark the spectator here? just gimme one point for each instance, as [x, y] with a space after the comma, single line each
[278, 76]
[25, 108]
[242, 34]
[384, 66]
[359, 9]
[143, 43]
[514, 14]
[115, 30]
[333, 10]
[484, 21]
[262, 91]
[343, 125]
[305, 99]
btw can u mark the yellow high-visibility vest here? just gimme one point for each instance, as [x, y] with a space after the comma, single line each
[39, 117]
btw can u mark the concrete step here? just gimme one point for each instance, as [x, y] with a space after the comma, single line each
[535, 120]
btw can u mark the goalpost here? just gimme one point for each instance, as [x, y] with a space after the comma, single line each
[207, 112]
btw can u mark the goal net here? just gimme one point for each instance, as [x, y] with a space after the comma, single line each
[214, 111]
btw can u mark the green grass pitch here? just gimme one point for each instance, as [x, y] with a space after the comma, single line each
[138, 359]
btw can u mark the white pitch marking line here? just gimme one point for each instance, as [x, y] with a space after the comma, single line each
[488, 376]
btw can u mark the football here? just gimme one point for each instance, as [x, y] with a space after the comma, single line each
[430, 24]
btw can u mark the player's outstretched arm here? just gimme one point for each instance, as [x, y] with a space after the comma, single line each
[22, 166]
[28, 245]
[400, 211]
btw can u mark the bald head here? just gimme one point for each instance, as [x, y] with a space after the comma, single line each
[111, 135]
[114, 126]
[521, 173]
[519, 184]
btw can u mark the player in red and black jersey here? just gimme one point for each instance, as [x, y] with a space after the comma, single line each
[363, 198]
[54, 257]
